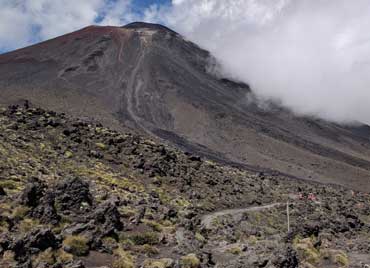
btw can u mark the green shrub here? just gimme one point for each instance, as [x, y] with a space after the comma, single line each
[306, 250]
[63, 256]
[77, 245]
[101, 145]
[341, 259]
[154, 225]
[27, 225]
[124, 260]
[46, 256]
[20, 212]
[8, 184]
[68, 154]
[200, 237]
[235, 250]
[160, 263]
[109, 242]
[150, 238]
[189, 261]
[148, 250]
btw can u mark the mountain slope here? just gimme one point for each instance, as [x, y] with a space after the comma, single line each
[76, 194]
[148, 78]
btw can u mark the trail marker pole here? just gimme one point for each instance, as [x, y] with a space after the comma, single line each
[287, 214]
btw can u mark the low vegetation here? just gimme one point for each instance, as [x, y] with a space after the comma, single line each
[71, 189]
[76, 245]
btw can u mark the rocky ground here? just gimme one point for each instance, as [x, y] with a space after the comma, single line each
[74, 194]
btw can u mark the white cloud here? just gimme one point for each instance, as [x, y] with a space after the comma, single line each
[14, 29]
[118, 13]
[58, 17]
[23, 22]
[314, 56]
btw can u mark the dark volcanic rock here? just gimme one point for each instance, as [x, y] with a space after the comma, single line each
[77, 228]
[5, 242]
[71, 194]
[290, 260]
[2, 191]
[33, 242]
[41, 239]
[32, 193]
[107, 217]
[46, 211]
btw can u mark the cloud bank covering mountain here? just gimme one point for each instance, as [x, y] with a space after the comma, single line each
[312, 56]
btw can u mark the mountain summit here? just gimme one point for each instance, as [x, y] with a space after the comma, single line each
[145, 25]
[148, 78]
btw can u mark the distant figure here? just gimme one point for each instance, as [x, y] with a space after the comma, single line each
[310, 197]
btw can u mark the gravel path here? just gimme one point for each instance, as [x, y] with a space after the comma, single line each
[208, 218]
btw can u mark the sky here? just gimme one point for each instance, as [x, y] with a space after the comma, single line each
[24, 22]
[311, 56]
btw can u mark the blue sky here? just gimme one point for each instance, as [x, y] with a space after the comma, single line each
[140, 4]
[25, 22]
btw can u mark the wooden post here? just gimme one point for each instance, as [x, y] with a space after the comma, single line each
[287, 214]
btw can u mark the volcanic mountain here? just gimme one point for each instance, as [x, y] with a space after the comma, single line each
[148, 78]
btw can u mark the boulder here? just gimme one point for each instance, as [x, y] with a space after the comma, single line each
[107, 217]
[2, 191]
[33, 242]
[41, 239]
[289, 260]
[76, 228]
[46, 211]
[5, 242]
[32, 193]
[72, 194]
